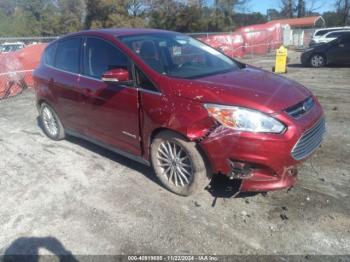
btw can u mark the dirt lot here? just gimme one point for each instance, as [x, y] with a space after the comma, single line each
[72, 196]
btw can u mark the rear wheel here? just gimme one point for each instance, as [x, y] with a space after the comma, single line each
[51, 124]
[317, 60]
[178, 164]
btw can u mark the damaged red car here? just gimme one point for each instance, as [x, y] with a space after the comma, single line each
[169, 101]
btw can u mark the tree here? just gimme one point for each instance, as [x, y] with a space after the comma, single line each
[249, 19]
[114, 13]
[71, 15]
[343, 10]
[287, 8]
[273, 14]
[228, 6]
[301, 9]
[7, 7]
[332, 19]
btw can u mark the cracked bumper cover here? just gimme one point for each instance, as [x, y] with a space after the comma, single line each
[268, 156]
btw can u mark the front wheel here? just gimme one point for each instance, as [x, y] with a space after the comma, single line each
[317, 60]
[178, 164]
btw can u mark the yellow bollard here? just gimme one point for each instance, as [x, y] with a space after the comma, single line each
[281, 60]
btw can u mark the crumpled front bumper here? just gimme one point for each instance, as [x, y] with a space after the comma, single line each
[267, 156]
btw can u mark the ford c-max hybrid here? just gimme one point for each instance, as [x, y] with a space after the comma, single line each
[169, 101]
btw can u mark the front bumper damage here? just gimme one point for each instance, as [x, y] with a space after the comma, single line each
[263, 162]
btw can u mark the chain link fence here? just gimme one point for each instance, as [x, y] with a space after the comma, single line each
[28, 40]
[16, 67]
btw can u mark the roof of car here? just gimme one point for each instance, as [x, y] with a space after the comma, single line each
[123, 31]
[338, 31]
[332, 28]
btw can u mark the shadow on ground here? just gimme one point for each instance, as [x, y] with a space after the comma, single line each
[27, 249]
[220, 186]
[299, 65]
[296, 66]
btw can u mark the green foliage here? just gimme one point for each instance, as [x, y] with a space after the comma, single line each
[250, 19]
[333, 19]
[113, 13]
[57, 17]
[40, 17]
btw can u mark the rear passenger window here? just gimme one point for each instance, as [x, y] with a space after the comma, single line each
[67, 55]
[101, 56]
[333, 35]
[49, 55]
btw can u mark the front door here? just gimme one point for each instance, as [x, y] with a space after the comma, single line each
[112, 114]
[340, 53]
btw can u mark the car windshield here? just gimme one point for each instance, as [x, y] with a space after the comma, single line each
[178, 55]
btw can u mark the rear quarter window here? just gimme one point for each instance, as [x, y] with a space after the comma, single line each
[49, 55]
[67, 56]
[322, 32]
[331, 35]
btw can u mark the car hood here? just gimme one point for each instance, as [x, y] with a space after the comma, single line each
[248, 87]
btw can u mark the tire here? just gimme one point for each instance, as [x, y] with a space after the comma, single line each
[317, 60]
[184, 174]
[51, 124]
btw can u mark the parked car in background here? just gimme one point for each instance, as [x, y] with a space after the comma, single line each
[329, 36]
[11, 47]
[336, 52]
[169, 101]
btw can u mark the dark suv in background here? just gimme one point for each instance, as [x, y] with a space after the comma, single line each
[336, 52]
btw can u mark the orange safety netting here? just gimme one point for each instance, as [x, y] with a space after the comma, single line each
[16, 69]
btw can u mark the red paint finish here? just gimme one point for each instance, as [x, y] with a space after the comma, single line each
[110, 110]
[269, 152]
[127, 117]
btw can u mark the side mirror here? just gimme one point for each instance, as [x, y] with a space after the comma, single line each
[118, 75]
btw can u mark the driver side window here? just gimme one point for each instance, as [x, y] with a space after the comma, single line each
[101, 56]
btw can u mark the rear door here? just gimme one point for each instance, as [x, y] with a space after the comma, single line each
[112, 110]
[63, 82]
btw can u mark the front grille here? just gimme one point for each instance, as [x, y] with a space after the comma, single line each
[301, 108]
[309, 141]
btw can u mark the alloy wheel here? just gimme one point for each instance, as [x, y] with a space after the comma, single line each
[49, 121]
[175, 163]
[317, 61]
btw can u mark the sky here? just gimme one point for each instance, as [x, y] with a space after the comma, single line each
[263, 5]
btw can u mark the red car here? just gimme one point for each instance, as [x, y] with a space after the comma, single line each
[169, 101]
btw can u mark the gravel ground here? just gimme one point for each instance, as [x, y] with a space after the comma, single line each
[72, 196]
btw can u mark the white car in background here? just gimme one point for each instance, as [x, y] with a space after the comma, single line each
[11, 47]
[323, 35]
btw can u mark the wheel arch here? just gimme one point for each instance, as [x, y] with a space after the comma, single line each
[40, 101]
[157, 131]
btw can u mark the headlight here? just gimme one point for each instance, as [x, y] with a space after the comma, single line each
[243, 119]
